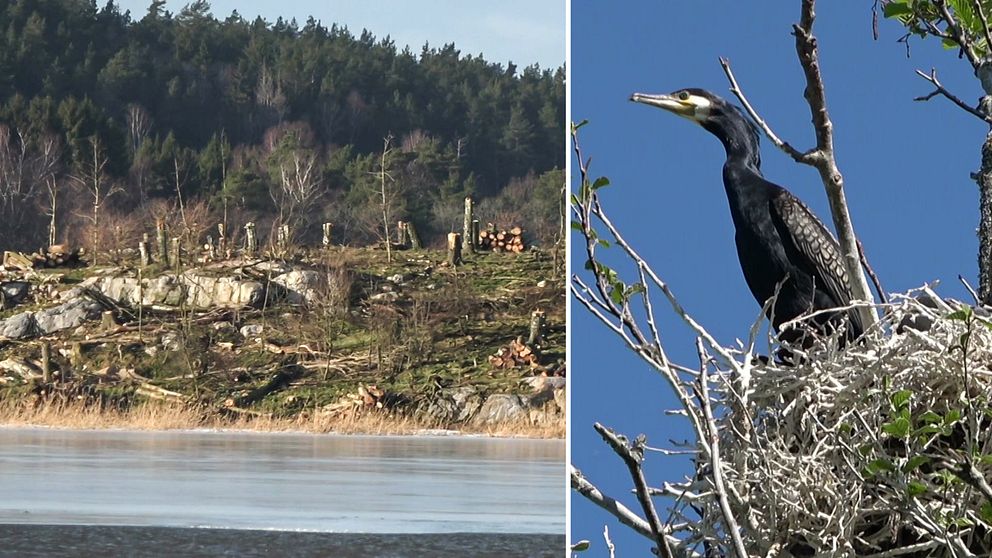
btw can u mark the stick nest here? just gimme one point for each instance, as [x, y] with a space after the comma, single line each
[879, 449]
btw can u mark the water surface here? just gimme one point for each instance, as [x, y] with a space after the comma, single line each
[301, 483]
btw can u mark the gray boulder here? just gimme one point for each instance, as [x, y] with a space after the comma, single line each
[455, 404]
[68, 315]
[501, 407]
[14, 292]
[20, 326]
[302, 286]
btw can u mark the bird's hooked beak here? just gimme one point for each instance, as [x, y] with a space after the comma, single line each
[693, 107]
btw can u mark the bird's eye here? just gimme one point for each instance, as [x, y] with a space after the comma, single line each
[684, 96]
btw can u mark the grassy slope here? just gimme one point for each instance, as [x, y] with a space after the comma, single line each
[438, 334]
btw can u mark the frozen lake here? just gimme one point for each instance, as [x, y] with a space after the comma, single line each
[283, 482]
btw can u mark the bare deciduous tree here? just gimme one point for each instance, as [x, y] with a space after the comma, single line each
[16, 182]
[51, 157]
[386, 193]
[92, 177]
[139, 124]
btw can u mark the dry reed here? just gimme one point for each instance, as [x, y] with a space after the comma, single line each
[155, 415]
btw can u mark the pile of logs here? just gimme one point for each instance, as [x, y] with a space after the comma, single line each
[57, 255]
[517, 353]
[502, 240]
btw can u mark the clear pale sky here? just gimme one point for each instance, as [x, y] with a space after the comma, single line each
[521, 31]
[906, 165]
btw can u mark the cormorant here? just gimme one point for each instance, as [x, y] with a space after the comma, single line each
[779, 240]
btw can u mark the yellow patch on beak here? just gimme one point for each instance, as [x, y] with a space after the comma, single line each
[693, 107]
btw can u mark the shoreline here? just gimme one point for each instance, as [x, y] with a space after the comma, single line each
[150, 416]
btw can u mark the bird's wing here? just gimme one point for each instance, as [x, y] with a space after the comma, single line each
[797, 225]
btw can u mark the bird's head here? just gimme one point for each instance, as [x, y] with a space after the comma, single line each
[727, 122]
[697, 105]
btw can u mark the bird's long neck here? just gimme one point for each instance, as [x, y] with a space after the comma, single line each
[740, 139]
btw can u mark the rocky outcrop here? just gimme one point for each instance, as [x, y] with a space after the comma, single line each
[467, 404]
[67, 315]
[192, 289]
[301, 286]
[455, 404]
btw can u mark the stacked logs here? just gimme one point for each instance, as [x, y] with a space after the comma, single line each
[516, 353]
[511, 240]
[57, 255]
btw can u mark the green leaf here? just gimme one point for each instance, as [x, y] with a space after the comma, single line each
[915, 488]
[900, 399]
[952, 417]
[898, 428]
[961, 315]
[590, 265]
[930, 417]
[986, 512]
[603, 242]
[636, 288]
[600, 182]
[879, 465]
[896, 8]
[927, 430]
[948, 44]
[947, 478]
[580, 546]
[616, 295]
[914, 463]
[574, 199]
[963, 339]
[577, 226]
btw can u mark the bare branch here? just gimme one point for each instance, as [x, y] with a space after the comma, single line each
[939, 89]
[716, 464]
[796, 155]
[614, 507]
[882, 297]
[633, 455]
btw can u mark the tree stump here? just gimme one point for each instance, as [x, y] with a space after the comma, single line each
[176, 253]
[468, 244]
[46, 362]
[326, 240]
[414, 237]
[221, 239]
[454, 249]
[107, 322]
[251, 241]
[162, 243]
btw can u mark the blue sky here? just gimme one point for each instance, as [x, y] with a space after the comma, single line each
[520, 31]
[906, 165]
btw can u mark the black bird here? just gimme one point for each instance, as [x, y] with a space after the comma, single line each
[779, 240]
